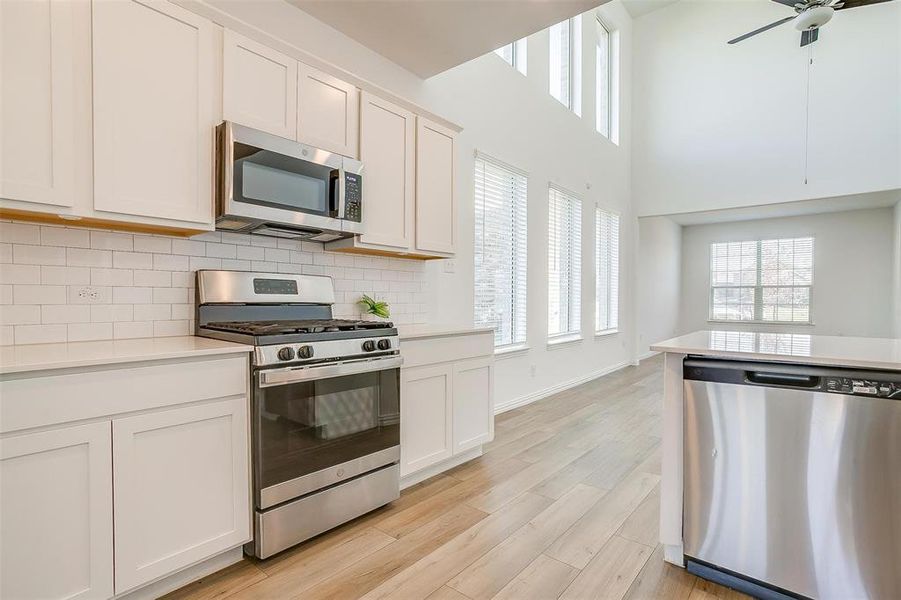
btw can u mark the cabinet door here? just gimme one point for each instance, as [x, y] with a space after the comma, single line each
[37, 95]
[259, 86]
[435, 209]
[473, 403]
[56, 514]
[387, 151]
[425, 423]
[182, 488]
[154, 94]
[328, 112]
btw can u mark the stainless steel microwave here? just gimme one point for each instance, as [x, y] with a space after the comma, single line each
[269, 185]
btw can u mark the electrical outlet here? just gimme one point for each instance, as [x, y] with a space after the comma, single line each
[450, 266]
[88, 294]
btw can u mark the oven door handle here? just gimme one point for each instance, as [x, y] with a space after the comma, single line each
[298, 374]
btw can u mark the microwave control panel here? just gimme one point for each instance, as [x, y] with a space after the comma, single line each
[353, 197]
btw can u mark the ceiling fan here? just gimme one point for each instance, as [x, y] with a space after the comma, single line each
[811, 15]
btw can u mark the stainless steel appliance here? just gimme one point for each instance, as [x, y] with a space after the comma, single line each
[325, 402]
[269, 185]
[793, 478]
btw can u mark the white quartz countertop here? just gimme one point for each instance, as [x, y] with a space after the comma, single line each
[410, 332]
[877, 353]
[40, 357]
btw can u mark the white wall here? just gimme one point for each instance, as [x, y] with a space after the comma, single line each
[853, 270]
[719, 126]
[897, 270]
[514, 119]
[659, 281]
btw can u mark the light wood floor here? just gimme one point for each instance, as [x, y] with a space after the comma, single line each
[563, 504]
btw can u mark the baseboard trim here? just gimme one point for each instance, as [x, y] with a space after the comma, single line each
[444, 465]
[554, 389]
[647, 355]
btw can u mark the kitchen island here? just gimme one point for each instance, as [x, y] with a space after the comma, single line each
[771, 402]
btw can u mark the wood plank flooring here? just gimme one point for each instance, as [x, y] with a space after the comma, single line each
[563, 504]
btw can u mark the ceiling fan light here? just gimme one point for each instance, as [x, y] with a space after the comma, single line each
[814, 17]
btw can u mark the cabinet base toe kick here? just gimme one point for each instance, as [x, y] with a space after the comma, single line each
[287, 525]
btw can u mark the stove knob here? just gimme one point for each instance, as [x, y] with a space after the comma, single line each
[286, 353]
[368, 346]
[305, 352]
[384, 344]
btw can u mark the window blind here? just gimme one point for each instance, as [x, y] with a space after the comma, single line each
[606, 226]
[500, 250]
[764, 280]
[564, 263]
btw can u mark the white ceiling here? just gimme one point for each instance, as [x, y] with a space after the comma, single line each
[428, 37]
[882, 199]
[638, 8]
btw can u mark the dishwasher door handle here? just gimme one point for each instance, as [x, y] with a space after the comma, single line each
[787, 379]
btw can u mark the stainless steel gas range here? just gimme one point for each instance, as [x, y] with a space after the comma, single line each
[325, 402]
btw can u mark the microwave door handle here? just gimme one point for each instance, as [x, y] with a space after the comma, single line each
[300, 374]
[338, 202]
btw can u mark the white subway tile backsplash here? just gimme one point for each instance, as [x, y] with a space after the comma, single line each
[65, 236]
[79, 257]
[69, 283]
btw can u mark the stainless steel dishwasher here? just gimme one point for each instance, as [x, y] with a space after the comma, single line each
[792, 479]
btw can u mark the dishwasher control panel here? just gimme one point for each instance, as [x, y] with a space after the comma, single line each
[862, 387]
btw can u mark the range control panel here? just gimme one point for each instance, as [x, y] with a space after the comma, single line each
[862, 387]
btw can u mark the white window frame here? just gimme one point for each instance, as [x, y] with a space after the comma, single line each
[575, 64]
[574, 291]
[759, 285]
[604, 125]
[519, 55]
[518, 259]
[607, 262]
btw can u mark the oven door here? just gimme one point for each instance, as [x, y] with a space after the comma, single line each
[268, 179]
[319, 425]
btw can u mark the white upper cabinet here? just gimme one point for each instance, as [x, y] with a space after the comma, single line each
[56, 514]
[328, 112]
[435, 207]
[155, 93]
[259, 86]
[39, 145]
[387, 134]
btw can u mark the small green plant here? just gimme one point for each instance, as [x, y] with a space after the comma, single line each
[375, 307]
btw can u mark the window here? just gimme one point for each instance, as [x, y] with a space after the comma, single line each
[766, 280]
[500, 251]
[602, 93]
[564, 263]
[606, 260]
[515, 54]
[565, 62]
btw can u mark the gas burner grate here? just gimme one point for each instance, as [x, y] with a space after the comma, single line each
[302, 326]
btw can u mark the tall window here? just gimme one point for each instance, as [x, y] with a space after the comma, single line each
[606, 260]
[564, 60]
[564, 264]
[765, 280]
[602, 93]
[515, 54]
[500, 251]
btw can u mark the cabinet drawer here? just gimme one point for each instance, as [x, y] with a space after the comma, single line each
[48, 399]
[429, 351]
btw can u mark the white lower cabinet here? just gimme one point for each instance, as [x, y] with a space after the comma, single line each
[158, 480]
[56, 514]
[447, 405]
[426, 416]
[180, 483]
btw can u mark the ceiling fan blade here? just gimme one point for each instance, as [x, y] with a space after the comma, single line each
[809, 36]
[856, 3]
[761, 30]
[790, 3]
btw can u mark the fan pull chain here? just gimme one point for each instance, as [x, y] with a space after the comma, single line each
[807, 113]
